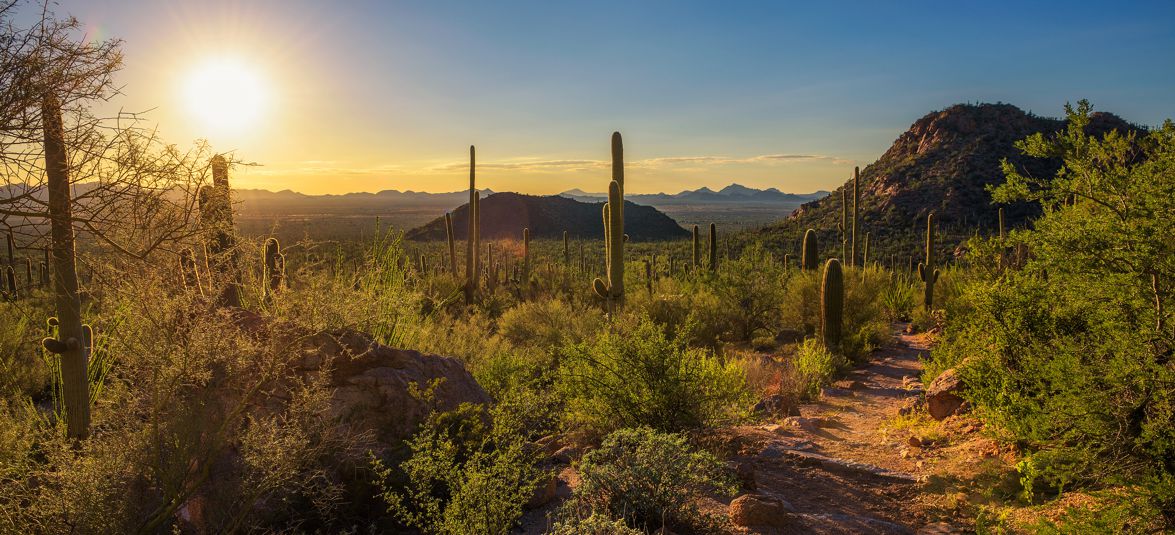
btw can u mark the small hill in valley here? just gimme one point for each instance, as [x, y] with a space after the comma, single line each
[504, 215]
[943, 164]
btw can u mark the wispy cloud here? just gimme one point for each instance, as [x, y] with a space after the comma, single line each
[648, 163]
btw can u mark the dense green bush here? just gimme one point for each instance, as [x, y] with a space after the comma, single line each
[648, 479]
[638, 376]
[1070, 356]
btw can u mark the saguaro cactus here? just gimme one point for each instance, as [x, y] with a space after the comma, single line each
[697, 248]
[926, 270]
[786, 261]
[856, 213]
[649, 276]
[865, 252]
[832, 303]
[566, 251]
[525, 255]
[274, 268]
[11, 249]
[28, 271]
[471, 239]
[844, 221]
[713, 247]
[10, 282]
[810, 251]
[613, 288]
[1001, 223]
[450, 240]
[75, 386]
[216, 216]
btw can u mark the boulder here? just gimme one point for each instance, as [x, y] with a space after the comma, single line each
[759, 510]
[943, 396]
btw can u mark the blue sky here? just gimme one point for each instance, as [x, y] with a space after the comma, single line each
[388, 95]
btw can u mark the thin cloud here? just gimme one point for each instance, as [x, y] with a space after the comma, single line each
[648, 163]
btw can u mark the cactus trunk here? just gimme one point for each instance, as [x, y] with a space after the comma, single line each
[713, 247]
[832, 302]
[451, 241]
[856, 213]
[75, 386]
[926, 270]
[613, 288]
[471, 245]
[810, 251]
[697, 249]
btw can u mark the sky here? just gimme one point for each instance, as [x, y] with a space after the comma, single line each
[342, 96]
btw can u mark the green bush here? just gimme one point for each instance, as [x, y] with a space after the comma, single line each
[812, 367]
[641, 377]
[649, 479]
[466, 475]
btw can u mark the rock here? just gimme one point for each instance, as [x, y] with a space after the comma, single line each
[807, 424]
[942, 397]
[829, 392]
[758, 510]
[915, 441]
[777, 404]
[371, 383]
[549, 444]
[566, 454]
[745, 472]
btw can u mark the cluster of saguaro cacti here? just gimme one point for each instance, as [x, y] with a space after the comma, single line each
[613, 289]
[216, 216]
[809, 251]
[832, 304]
[926, 270]
[275, 268]
[713, 247]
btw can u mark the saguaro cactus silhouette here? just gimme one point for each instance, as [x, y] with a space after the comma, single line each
[471, 242]
[216, 216]
[697, 249]
[832, 303]
[525, 255]
[926, 270]
[856, 213]
[713, 247]
[275, 263]
[10, 283]
[75, 386]
[809, 251]
[450, 240]
[613, 289]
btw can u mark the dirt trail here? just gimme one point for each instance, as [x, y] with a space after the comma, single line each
[837, 465]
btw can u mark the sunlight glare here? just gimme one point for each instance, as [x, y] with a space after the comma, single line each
[225, 95]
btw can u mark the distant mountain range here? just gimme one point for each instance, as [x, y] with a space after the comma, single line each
[734, 193]
[504, 215]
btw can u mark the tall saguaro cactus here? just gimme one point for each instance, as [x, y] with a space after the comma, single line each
[613, 288]
[713, 247]
[216, 216]
[926, 270]
[697, 249]
[566, 251]
[472, 247]
[856, 213]
[832, 304]
[75, 386]
[450, 240]
[809, 251]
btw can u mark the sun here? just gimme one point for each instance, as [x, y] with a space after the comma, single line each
[226, 95]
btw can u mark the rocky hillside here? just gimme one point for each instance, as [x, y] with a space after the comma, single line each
[943, 163]
[504, 215]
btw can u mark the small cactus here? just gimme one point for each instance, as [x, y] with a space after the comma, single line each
[832, 303]
[274, 264]
[713, 247]
[10, 282]
[926, 270]
[810, 251]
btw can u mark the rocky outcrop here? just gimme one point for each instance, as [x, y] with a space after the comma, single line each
[758, 510]
[943, 397]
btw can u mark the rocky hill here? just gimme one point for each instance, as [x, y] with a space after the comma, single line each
[504, 215]
[943, 163]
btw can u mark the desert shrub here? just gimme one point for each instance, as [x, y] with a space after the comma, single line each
[467, 474]
[639, 376]
[684, 307]
[23, 373]
[898, 300]
[750, 292]
[548, 323]
[588, 523]
[811, 367]
[1069, 355]
[649, 479]
[800, 310]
